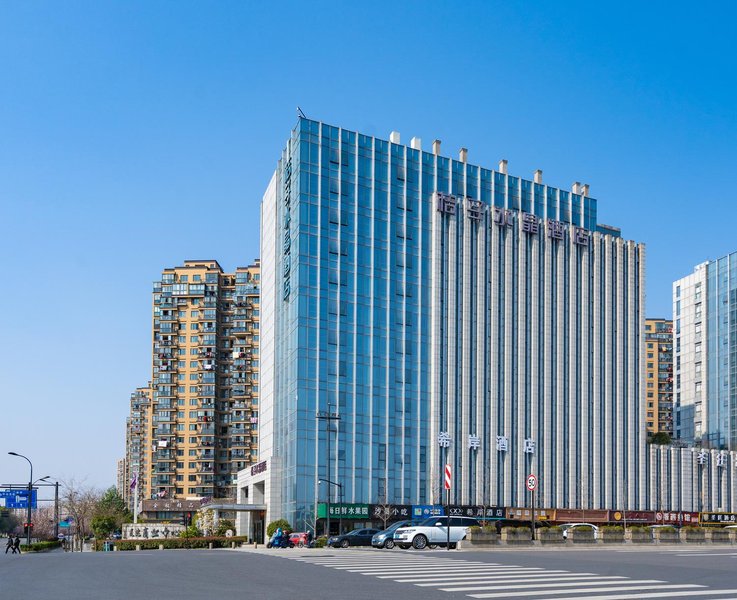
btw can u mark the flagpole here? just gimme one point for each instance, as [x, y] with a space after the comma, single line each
[135, 497]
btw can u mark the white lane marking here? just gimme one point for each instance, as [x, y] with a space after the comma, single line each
[604, 589]
[709, 554]
[501, 584]
[659, 595]
[552, 585]
[409, 571]
[533, 572]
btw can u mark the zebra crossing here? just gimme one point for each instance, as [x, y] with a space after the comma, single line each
[477, 579]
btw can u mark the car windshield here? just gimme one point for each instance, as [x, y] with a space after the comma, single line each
[398, 525]
[430, 522]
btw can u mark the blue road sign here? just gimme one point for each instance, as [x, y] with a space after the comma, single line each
[16, 498]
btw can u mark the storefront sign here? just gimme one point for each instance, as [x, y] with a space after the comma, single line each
[525, 514]
[631, 516]
[685, 518]
[718, 518]
[344, 511]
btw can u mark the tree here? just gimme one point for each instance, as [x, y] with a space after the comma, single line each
[103, 526]
[223, 526]
[80, 503]
[661, 438]
[44, 522]
[274, 525]
[110, 513]
[9, 521]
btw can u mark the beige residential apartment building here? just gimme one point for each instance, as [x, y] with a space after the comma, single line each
[201, 425]
[659, 376]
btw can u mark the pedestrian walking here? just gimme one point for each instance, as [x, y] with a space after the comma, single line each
[9, 545]
[16, 545]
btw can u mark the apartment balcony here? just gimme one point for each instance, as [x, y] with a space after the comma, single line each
[235, 454]
[240, 331]
[210, 302]
[206, 455]
[205, 479]
[167, 468]
[240, 417]
[206, 430]
[209, 329]
[206, 419]
[162, 480]
[203, 469]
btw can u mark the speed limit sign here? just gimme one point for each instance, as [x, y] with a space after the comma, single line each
[531, 482]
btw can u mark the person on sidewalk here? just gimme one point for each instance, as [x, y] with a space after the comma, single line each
[16, 545]
[9, 545]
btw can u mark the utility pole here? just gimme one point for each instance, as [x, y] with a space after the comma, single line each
[56, 510]
[328, 416]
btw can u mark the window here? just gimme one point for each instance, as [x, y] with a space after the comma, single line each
[183, 278]
[195, 314]
[197, 278]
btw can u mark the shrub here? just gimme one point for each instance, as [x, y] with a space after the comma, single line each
[637, 528]
[550, 528]
[613, 528]
[583, 528]
[666, 529]
[274, 525]
[176, 543]
[692, 529]
[40, 546]
[474, 529]
[321, 542]
[223, 526]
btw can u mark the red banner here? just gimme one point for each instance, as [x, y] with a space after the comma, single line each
[571, 515]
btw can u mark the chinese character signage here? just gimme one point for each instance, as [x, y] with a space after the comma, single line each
[474, 442]
[718, 518]
[17, 498]
[444, 439]
[390, 512]
[685, 518]
[503, 217]
[502, 443]
[721, 460]
[423, 511]
[446, 203]
[474, 209]
[344, 511]
[702, 457]
[478, 512]
[529, 446]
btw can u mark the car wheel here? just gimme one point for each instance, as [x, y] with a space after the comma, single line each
[268, 544]
[432, 546]
[419, 542]
[344, 544]
[389, 544]
[403, 546]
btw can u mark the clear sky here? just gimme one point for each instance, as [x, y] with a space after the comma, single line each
[135, 135]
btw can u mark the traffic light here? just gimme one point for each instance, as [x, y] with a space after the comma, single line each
[26, 526]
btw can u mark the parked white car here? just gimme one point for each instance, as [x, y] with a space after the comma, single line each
[434, 531]
[568, 526]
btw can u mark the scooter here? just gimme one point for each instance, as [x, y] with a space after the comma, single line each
[279, 540]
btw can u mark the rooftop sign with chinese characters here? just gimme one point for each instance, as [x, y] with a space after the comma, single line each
[451, 205]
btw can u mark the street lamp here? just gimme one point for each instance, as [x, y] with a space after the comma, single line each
[340, 495]
[30, 495]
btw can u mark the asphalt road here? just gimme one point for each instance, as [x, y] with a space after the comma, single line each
[571, 573]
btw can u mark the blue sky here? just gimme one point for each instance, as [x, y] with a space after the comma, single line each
[135, 135]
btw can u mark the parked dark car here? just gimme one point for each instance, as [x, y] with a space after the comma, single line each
[357, 537]
[385, 538]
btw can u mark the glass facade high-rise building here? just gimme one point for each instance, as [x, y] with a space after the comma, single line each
[705, 315]
[447, 313]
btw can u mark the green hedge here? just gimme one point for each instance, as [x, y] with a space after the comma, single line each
[174, 543]
[40, 546]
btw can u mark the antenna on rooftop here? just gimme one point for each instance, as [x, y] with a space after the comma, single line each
[300, 113]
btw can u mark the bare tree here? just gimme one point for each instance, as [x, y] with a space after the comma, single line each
[44, 520]
[80, 503]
